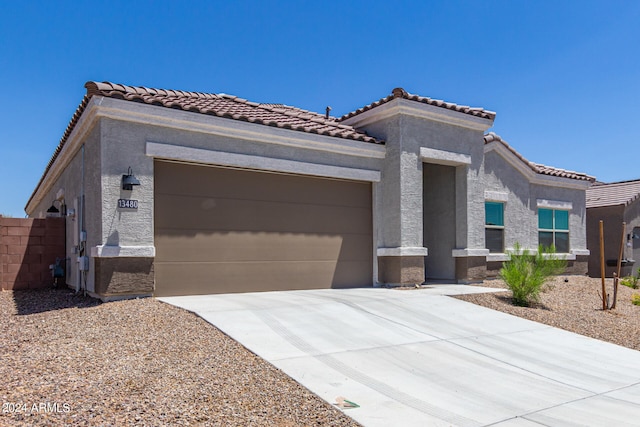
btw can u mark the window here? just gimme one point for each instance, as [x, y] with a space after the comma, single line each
[494, 226]
[553, 229]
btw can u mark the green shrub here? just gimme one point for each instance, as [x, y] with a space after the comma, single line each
[527, 274]
[631, 281]
[635, 299]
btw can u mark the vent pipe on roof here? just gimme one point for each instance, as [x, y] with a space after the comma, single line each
[327, 111]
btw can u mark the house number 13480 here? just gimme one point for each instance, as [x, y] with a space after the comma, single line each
[127, 204]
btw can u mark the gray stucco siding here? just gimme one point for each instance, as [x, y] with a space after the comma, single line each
[520, 223]
[632, 220]
[124, 145]
[469, 186]
[70, 183]
[521, 208]
[577, 213]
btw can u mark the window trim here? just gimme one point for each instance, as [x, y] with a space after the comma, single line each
[494, 227]
[555, 230]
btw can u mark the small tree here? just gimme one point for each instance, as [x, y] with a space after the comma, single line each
[526, 274]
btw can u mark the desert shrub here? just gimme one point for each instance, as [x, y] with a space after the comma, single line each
[526, 274]
[635, 299]
[631, 281]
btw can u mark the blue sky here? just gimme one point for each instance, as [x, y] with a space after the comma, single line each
[563, 76]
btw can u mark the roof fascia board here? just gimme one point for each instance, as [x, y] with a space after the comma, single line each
[420, 110]
[246, 161]
[532, 176]
[83, 127]
[183, 120]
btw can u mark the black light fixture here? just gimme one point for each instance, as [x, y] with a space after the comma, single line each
[53, 209]
[129, 180]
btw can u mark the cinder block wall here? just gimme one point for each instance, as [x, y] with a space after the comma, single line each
[27, 247]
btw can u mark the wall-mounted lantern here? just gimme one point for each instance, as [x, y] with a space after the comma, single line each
[53, 211]
[129, 180]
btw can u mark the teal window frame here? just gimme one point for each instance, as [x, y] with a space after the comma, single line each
[553, 227]
[494, 225]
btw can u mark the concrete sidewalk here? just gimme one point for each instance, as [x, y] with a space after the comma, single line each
[419, 357]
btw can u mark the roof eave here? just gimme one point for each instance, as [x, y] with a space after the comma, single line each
[400, 106]
[400, 93]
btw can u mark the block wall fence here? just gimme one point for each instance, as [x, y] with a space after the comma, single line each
[27, 247]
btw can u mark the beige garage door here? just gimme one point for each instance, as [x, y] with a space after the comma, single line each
[226, 230]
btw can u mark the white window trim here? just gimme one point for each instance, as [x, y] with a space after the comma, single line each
[496, 196]
[554, 204]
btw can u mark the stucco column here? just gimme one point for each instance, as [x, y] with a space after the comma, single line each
[400, 248]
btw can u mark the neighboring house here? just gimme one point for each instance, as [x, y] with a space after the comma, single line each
[614, 204]
[171, 193]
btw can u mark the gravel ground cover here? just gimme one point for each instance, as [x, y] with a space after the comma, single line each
[70, 360]
[574, 305]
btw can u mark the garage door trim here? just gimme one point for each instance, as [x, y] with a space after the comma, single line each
[259, 163]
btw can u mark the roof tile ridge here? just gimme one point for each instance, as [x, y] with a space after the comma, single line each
[569, 171]
[99, 88]
[536, 167]
[400, 93]
[621, 183]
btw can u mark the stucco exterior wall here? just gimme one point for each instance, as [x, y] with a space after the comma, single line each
[577, 214]
[520, 220]
[69, 185]
[124, 145]
[469, 182]
[521, 207]
[632, 242]
[416, 136]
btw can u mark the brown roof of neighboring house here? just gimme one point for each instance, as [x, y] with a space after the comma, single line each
[401, 93]
[613, 194]
[536, 167]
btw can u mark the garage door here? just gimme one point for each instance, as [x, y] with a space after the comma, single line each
[221, 230]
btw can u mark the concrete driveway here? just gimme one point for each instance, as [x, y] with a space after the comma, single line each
[421, 358]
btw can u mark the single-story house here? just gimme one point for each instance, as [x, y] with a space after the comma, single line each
[167, 192]
[614, 204]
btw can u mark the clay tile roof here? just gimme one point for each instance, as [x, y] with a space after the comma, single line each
[401, 93]
[536, 167]
[220, 105]
[613, 194]
[232, 107]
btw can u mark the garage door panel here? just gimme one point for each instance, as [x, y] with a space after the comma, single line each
[239, 246]
[223, 230]
[352, 273]
[242, 246]
[250, 215]
[232, 183]
[204, 278]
